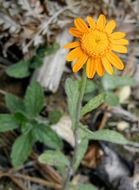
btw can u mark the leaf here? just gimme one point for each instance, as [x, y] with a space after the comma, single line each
[72, 91]
[27, 127]
[54, 116]
[112, 99]
[82, 148]
[57, 159]
[21, 149]
[54, 158]
[46, 135]
[42, 52]
[113, 82]
[82, 186]
[90, 86]
[93, 104]
[36, 62]
[34, 99]
[52, 49]
[106, 135]
[7, 122]
[19, 70]
[14, 103]
[86, 187]
[90, 90]
[21, 118]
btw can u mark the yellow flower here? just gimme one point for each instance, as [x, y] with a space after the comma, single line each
[96, 45]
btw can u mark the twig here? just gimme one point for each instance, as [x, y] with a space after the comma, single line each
[47, 170]
[3, 92]
[18, 183]
[132, 146]
[104, 119]
[119, 112]
[15, 178]
[40, 181]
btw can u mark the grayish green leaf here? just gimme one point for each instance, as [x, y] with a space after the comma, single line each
[14, 103]
[34, 99]
[112, 99]
[54, 158]
[42, 52]
[72, 91]
[94, 103]
[19, 70]
[90, 86]
[86, 187]
[82, 147]
[114, 81]
[7, 122]
[106, 135]
[54, 116]
[82, 186]
[46, 135]
[21, 149]
[52, 49]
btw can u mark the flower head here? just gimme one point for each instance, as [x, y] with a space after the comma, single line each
[96, 45]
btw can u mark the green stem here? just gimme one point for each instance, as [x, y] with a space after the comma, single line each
[71, 170]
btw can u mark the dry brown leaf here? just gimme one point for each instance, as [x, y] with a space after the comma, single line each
[64, 129]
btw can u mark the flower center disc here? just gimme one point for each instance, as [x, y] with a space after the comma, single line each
[95, 43]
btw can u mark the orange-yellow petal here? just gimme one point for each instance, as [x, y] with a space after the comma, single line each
[115, 61]
[72, 45]
[79, 63]
[107, 65]
[99, 67]
[117, 35]
[75, 32]
[120, 42]
[91, 22]
[119, 48]
[90, 68]
[96, 45]
[75, 53]
[81, 25]
[101, 22]
[110, 26]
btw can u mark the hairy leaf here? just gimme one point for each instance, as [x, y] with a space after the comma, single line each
[82, 186]
[46, 135]
[21, 149]
[57, 159]
[54, 116]
[54, 158]
[72, 91]
[34, 99]
[82, 148]
[19, 70]
[112, 99]
[14, 103]
[106, 135]
[7, 122]
[113, 82]
[93, 104]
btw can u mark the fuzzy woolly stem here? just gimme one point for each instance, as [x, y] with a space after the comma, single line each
[71, 170]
